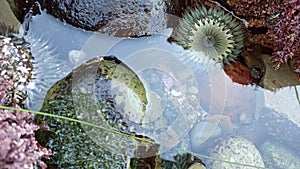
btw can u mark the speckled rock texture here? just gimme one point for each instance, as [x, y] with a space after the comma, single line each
[236, 150]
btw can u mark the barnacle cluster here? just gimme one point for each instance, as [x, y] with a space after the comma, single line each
[32, 65]
[216, 34]
[15, 65]
[18, 146]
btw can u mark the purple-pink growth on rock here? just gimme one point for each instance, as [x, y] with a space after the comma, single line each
[286, 32]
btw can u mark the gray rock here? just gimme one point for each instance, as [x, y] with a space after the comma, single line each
[235, 153]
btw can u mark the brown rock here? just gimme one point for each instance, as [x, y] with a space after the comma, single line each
[275, 79]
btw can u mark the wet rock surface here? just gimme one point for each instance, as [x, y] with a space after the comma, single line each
[8, 20]
[275, 79]
[235, 150]
[131, 18]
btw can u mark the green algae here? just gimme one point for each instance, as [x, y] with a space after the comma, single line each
[75, 145]
[124, 74]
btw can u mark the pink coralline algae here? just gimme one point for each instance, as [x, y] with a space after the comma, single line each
[18, 147]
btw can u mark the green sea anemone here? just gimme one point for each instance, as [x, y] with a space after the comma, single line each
[210, 31]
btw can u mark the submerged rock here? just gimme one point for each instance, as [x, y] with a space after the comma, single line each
[235, 153]
[130, 18]
[277, 155]
[281, 127]
[70, 97]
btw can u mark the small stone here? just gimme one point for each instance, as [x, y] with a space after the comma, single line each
[235, 150]
[193, 90]
[175, 93]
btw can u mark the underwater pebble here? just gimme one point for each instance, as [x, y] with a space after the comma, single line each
[193, 90]
[246, 118]
[76, 55]
[175, 93]
[236, 150]
[202, 131]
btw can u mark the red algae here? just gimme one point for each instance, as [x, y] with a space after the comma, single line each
[282, 20]
[238, 73]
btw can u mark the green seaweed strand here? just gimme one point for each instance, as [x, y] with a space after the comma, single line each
[76, 121]
[297, 94]
[117, 132]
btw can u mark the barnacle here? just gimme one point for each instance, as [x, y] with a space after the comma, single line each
[32, 65]
[15, 66]
[216, 34]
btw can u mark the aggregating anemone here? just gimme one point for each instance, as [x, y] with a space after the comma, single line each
[47, 69]
[210, 31]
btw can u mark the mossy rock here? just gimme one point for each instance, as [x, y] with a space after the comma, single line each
[113, 145]
[75, 145]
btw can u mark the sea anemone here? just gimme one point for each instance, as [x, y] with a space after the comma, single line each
[48, 68]
[210, 31]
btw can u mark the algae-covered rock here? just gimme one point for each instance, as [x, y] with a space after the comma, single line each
[72, 147]
[80, 146]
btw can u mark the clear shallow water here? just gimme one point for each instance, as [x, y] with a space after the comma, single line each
[228, 108]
